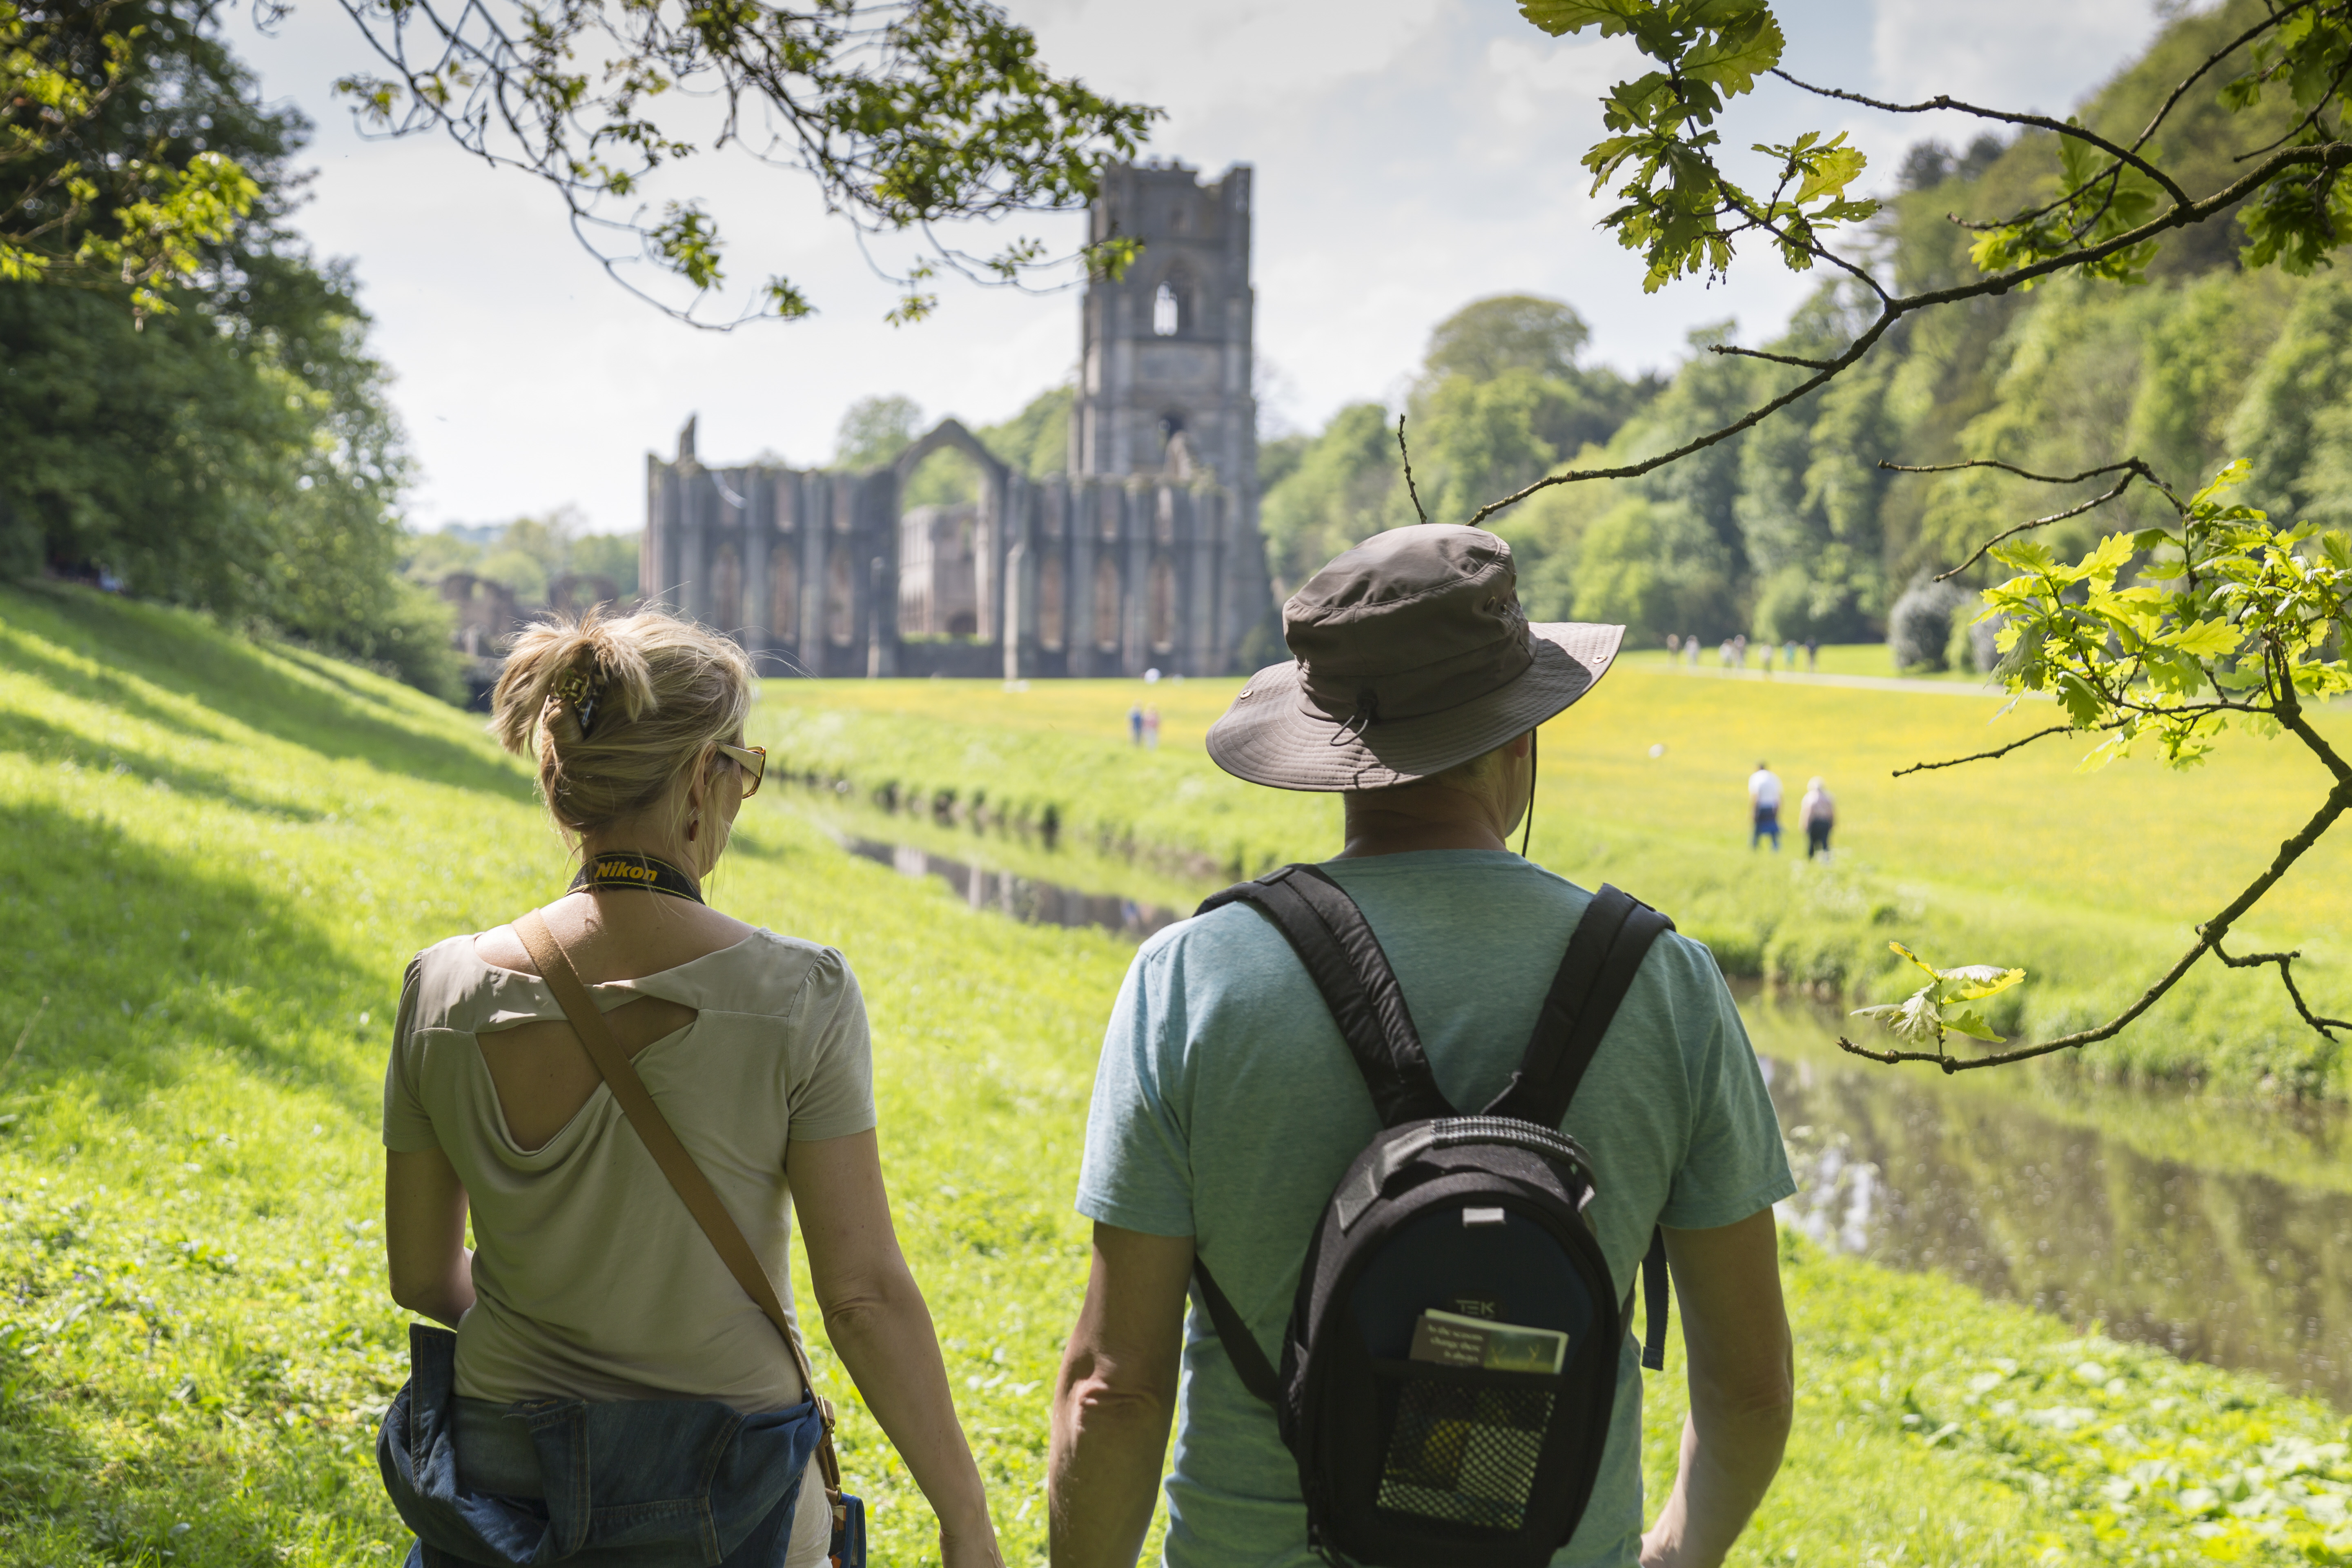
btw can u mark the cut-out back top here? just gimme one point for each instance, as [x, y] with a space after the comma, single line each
[591, 1280]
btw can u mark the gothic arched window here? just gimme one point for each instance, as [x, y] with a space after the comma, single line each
[1167, 310]
[729, 609]
[1107, 604]
[784, 593]
[840, 605]
[1049, 603]
[1163, 605]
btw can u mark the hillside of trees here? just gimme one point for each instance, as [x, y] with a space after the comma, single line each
[1792, 530]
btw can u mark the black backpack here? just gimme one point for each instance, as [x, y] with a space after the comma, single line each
[1437, 1442]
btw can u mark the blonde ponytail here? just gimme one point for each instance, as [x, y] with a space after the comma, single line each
[617, 709]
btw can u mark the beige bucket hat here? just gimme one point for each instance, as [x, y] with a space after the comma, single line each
[1413, 656]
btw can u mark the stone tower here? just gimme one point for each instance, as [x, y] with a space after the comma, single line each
[1167, 349]
[1144, 555]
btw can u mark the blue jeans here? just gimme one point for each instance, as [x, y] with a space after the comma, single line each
[651, 1483]
[1767, 821]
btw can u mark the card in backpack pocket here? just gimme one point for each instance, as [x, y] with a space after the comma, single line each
[1449, 1339]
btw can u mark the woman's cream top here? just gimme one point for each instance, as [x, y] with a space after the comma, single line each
[591, 1279]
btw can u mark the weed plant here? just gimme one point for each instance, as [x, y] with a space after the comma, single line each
[220, 857]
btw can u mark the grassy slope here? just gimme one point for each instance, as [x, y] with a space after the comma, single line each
[197, 1340]
[2092, 882]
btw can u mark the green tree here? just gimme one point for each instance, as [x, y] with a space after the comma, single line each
[109, 173]
[2232, 619]
[1656, 568]
[875, 430]
[1342, 491]
[1035, 441]
[235, 453]
[905, 117]
[1510, 331]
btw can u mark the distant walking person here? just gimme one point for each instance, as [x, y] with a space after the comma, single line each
[1812, 655]
[1135, 724]
[1764, 796]
[1151, 729]
[636, 1100]
[1817, 811]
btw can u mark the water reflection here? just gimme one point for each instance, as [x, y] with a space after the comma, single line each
[2237, 1268]
[1021, 897]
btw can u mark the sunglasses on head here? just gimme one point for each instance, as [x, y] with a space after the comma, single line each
[752, 760]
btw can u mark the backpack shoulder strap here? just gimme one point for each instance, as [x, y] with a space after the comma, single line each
[1344, 959]
[1598, 969]
[1602, 958]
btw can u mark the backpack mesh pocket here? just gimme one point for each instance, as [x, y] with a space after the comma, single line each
[1464, 1447]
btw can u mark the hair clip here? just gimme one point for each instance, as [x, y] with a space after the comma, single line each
[580, 695]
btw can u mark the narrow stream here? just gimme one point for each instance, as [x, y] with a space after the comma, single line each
[2210, 1263]
[2232, 1268]
[1025, 898]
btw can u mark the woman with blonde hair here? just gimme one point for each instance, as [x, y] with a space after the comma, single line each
[630, 1093]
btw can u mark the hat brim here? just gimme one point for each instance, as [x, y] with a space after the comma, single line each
[1273, 735]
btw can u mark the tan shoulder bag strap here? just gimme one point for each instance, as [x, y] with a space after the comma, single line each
[693, 1187]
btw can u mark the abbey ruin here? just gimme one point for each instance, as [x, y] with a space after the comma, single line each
[1143, 554]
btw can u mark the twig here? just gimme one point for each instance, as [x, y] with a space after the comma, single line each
[2331, 155]
[1988, 756]
[2039, 121]
[2208, 937]
[2130, 468]
[2285, 961]
[1409, 487]
[1775, 359]
[21, 1037]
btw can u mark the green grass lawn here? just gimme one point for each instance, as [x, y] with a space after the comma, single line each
[220, 855]
[2093, 882]
[1832, 659]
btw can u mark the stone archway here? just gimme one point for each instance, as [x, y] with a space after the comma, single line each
[988, 535]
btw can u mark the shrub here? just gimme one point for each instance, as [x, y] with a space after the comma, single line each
[1919, 626]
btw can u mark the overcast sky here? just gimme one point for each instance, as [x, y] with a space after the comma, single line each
[1412, 155]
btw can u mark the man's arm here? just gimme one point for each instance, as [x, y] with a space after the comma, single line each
[1742, 1388]
[1115, 1399]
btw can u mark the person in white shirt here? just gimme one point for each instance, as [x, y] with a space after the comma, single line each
[1764, 796]
[1817, 811]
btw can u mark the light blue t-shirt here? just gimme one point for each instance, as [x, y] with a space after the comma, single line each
[1227, 1107]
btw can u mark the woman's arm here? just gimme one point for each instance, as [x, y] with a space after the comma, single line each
[874, 1315]
[425, 1235]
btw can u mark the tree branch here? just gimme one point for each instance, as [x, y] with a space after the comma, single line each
[1406, 455]
[2332, 155]
[1775, 359]
[2000, 752]
[2138, 470]
[2275, 18]
[2039, 121]
[2209, 936]
[2285, 961]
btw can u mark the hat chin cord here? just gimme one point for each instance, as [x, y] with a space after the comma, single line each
[1535, 739]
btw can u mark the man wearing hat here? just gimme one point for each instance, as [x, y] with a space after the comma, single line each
[1227, 1107]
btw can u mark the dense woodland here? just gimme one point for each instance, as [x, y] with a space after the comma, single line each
[237, 452]
[1792, 530]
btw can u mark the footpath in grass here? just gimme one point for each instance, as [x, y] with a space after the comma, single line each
[219, 858]
[2092, 883]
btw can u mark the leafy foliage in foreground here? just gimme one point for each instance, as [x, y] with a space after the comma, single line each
[2234, 620]
[96, 186]
[2231, 617]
